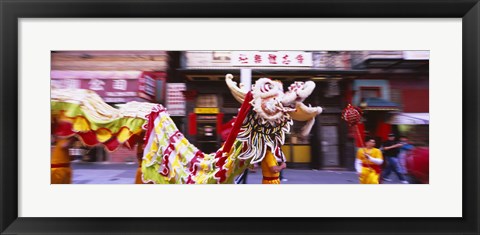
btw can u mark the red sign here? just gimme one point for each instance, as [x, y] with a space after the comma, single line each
[148, 85]
[112, 86]
[111, 90]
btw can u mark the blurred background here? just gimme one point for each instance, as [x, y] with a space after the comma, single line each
[391, 87]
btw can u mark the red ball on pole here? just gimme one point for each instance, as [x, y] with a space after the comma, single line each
[353, 116]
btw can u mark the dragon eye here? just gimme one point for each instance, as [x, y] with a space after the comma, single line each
[266, 87]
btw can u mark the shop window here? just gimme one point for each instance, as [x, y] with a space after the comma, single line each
[207, 101]
[370, 92]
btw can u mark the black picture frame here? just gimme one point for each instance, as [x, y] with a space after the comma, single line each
[11, 11]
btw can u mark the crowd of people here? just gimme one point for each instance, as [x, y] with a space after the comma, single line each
[375, 165]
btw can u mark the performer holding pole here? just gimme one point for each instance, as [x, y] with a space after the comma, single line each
[368, 159]
[368, 162]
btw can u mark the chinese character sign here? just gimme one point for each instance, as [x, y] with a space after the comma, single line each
[275, 58]
[96, 85]
[119, 84]
[65, 83]
[111, 90]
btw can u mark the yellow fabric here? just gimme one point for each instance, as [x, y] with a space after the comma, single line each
[60, 152]
[368, 175]
[81, 124]
[124, 135]
[123, 126]
[373, 152]
[60, 175]
[103, 135]
[267, 162]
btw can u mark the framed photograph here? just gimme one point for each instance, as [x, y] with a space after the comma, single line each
[49, 45]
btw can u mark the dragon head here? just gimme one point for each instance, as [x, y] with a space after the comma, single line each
[272, 104]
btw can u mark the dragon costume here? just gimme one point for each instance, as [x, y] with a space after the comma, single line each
[264, 118]
[266, 115]
[83, 114]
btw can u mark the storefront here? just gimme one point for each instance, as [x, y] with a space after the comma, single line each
[208, 121]
[415, 126]
[205, 73]
[394, 94]
[115, 88]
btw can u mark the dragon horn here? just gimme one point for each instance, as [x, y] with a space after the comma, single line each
[304, 113]
[237, 93]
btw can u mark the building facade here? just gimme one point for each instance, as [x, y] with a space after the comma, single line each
[118, 77]
[394, 94]
[391, 87]
[213, 106]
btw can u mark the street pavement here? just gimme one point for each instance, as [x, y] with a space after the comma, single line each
[122, 173]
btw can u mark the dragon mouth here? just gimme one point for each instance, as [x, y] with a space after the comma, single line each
[272, 96]
[270, 108]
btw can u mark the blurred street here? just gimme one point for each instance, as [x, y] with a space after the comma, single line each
[102, 99]
[121, 173]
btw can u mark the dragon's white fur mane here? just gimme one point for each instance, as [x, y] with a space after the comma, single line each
[271, 118]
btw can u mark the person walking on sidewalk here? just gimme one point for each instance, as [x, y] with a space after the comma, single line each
[282, 176]
[391, 149]
[368, 163]
[403, 153]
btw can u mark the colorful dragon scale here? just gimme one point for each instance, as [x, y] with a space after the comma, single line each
[83, 113]
[169, 158]
[267, 113]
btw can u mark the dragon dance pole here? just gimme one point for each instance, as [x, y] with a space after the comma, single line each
[359, 136]
[352, 116]
[238, 123]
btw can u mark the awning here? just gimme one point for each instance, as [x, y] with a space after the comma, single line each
[380, 105]
[410, 119]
